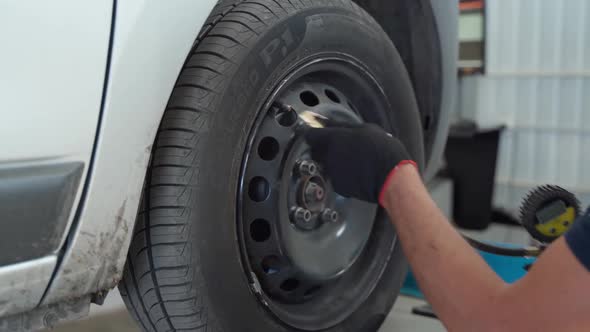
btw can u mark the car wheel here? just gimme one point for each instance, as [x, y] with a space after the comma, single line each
[239, 230]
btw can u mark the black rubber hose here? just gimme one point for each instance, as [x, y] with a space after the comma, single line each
[503, 251]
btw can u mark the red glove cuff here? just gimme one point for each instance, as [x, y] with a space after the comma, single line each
[389, 178]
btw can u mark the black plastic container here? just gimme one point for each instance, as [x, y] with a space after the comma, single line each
[471, 156]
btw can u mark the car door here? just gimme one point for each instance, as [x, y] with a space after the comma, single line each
[53, 65]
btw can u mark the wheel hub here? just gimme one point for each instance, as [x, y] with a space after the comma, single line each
[318, 233]
[306, 249]
[326, 246]
[310, 189]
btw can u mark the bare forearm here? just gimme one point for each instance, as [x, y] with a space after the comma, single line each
[455, 279]
[466, 294]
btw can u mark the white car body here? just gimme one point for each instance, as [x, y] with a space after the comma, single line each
[54, 117]
[86, 84]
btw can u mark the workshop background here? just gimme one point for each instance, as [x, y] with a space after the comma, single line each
[524, 65]
[534, 78]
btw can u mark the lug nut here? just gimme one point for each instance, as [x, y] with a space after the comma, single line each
[329, 215]
[307, 168]
[301, 215]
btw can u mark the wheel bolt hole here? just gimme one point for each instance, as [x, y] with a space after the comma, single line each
[271, 265]
[258, 189]
[309, 98]
[332, 95]
[260, 230]
[286, 117]
[268, 148]
[290, 285]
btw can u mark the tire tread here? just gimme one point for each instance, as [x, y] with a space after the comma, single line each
[162, 285]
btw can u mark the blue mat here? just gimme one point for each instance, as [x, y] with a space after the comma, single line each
[508, 268]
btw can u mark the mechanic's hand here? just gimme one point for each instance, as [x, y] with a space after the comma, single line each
[358, 160]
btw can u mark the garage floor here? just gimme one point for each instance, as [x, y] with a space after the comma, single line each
[113, 317]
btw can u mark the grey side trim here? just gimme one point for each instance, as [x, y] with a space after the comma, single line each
[446, 13]
[47, 317]
[23, 284]
[35, 203]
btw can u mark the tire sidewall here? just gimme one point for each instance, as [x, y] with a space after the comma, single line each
[289, 41]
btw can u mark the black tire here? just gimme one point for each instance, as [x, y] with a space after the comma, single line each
[184, 270]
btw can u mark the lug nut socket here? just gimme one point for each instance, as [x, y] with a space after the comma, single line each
[307, 168]
[329, 215]
[301, 215]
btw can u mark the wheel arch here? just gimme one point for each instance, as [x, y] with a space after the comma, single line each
[142, 75]
[425, 34]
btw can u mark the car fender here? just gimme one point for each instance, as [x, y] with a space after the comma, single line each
[151, 41]
[446, 14]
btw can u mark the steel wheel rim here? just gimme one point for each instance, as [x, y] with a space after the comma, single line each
[263, 249]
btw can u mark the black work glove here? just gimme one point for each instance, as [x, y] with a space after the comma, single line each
[358, 160]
